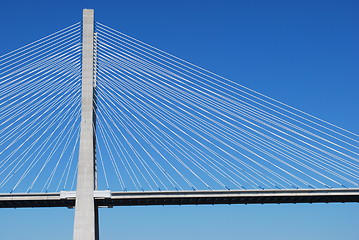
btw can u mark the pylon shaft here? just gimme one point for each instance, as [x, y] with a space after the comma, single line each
[86, 217]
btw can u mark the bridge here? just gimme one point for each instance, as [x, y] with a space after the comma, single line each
[129, 125]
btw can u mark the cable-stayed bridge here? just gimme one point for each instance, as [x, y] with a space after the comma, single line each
[91, 117]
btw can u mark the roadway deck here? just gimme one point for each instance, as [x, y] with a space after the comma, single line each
[110, 199]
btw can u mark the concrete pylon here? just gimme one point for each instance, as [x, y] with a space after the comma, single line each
[86, 213]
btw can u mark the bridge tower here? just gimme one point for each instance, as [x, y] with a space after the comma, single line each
[86, 212]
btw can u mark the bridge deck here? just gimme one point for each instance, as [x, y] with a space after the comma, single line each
[109, 199]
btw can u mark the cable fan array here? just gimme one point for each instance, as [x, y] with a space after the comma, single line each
[40, 94]
[161, 124]
[165, 124]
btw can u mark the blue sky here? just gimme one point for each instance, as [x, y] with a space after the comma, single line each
[304, 53]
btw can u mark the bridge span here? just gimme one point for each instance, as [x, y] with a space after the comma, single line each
[110, 199]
